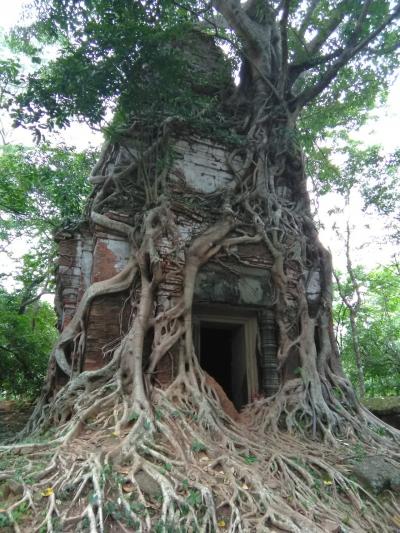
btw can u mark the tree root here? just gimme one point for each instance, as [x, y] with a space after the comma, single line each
[187, 466]
[128, 456]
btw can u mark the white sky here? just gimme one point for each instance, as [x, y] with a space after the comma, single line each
[369, 231]
[11, 12]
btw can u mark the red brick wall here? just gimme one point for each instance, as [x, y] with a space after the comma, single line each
[107, 320]
[85, 259]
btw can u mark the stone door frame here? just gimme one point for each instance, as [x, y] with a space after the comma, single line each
[247, 320]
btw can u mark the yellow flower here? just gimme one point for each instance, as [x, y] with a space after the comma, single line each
[221, 523]
[48, 492]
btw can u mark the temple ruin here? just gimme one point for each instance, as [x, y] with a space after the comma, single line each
[235, 334]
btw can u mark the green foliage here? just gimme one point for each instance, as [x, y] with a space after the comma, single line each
[9, 78]
[10, 72]
[25, 343]
[42, 188]
[198, 446]
[356, 86]
[18, 514]
[365, 168]
[194, 498]
[126, 56]
[250, 459]
[378, 324]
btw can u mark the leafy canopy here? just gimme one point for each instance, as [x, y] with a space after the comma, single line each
[42, 187]
[41, 190]
[107, 56]
[340, 56]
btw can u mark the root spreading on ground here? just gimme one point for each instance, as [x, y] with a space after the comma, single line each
[186, 466]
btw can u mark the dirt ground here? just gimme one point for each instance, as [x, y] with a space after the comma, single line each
[13, 416]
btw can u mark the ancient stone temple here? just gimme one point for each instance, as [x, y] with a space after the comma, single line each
[234, 333]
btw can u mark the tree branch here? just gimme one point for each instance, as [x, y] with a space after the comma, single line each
[348, 53]
[32, 300]
[284, 41]
[360, 21]
[307, 18]
[238, 19]
[28, 298]
[350, 271]
[323, 35]
[296, 69]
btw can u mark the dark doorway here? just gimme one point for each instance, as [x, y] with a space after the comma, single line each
[222, 355]
[216, 356]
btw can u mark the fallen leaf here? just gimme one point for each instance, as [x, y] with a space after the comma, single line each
[396, 520]
[245, 487]
[128, 487]
[114, 434]
[204, 458]
[47, 492]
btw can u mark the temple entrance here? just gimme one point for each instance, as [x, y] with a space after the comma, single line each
[222, 356]
[226, 348]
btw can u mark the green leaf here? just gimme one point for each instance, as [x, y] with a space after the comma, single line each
[198, 446]
[249, 459]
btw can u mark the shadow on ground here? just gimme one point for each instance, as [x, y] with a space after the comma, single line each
[13, 417]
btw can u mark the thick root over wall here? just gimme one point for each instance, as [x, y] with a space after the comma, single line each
[122, 454]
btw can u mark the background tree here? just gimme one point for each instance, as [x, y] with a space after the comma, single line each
[352, 299]
[25, 341]
[41, 189]
[294, 56]
[377, 330]
[370, 177]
